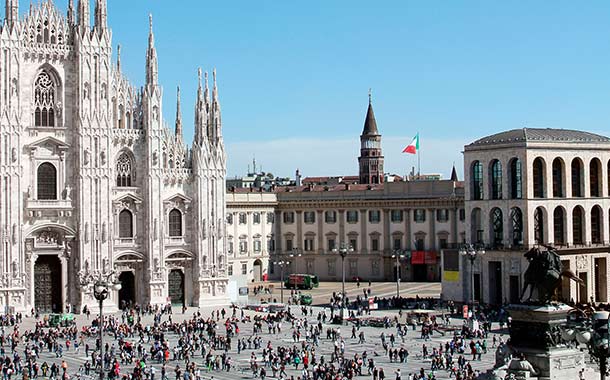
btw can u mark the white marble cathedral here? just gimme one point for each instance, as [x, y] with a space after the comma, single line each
[92, 179]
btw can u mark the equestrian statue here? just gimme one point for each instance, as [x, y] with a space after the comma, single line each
[544, 274]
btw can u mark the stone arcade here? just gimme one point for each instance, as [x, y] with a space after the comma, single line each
[91, 177]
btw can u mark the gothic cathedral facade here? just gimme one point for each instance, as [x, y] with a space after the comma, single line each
[93, 180]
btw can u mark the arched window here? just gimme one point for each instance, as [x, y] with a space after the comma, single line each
[175, 223]
[577, 225]
[538, 174]
[496, 179]
[47, 182]
[558, 178]
[497, 227]
[539, 225]
[516, 182]
[559, 226]
[477, 180]
[595, 177]
[596, 225]
[125, 171]
[516, 217]
[577, 178]
[125, 224]
[44, 100]
[476, 232]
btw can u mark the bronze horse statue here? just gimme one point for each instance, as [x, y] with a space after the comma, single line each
[544, 274]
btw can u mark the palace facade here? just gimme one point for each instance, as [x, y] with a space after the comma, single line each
[91, 177]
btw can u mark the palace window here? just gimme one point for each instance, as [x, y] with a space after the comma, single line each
[125, 224]
[330, 216]
[477, 180]
[309, 217]
[288, 217]
[497, 225]
[516, 179]
[374, 216]
[124, 169]
[577, 178]
[243, 218]
[419, 215]
[352, 216]
[539, 177]
[496, 180]
[175, 223]
[396, 216]
[442, 215]
[256, 218]
[44, 100]
[270, 217]
[557, 178]
[47, 182]
[559, 226]
[229, 218]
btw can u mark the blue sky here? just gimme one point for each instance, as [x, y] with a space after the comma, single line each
[294, 75]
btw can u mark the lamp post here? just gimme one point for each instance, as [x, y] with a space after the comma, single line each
[398, 254]
[295, 252]
[343, 250]
[592, 332]
[471, 252]
[103, 283]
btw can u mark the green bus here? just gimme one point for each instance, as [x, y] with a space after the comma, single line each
[302, 281]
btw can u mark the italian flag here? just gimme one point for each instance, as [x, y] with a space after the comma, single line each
[413, 147]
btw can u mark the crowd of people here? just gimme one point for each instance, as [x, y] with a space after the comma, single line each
[200, 345]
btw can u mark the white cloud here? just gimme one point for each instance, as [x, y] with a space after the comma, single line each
[339, 156]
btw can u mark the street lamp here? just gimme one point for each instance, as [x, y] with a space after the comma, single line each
[102, 283]
[471, 252]
[398, 254]
[295, 252]
[592, 332]
[343, 250]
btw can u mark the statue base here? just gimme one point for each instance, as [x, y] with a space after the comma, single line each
[535, 331]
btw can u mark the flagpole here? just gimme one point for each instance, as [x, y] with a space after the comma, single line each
[418, 165]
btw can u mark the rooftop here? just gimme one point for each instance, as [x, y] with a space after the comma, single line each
[526, 135]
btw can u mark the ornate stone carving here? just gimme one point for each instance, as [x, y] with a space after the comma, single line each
[582, 262]
[48, 237]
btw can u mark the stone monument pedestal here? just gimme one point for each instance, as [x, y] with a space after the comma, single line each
[535, 331]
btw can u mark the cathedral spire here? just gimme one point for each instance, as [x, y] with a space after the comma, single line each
[71, 13]
[152, 70]
[101, 16]
[215, 127]
[199, 111]
[84, 16]
[12, 12]
[178, 116]
[118, 58]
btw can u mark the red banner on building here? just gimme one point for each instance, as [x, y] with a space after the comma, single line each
[418, 257]
[423, 257]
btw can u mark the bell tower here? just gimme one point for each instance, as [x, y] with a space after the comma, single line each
[371, 159]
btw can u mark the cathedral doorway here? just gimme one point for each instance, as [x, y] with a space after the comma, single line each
[47, 291]
[176, 287]
[258, 271]
[127, 294]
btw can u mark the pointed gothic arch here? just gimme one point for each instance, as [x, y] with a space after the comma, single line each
[47, 98]
[125, 169]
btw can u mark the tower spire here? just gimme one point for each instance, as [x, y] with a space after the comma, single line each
[371, 158]
[178, 116]
[152, 71]
[12, 12]
[118, 58]
[71, 12]
[200, 110]
[101, 16]
[84, 16]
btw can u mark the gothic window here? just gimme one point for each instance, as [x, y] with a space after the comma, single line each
[175, 223]
[559, 226]
[558, 178]
[517, 224]
[47, 182]
[516, 182]
[124, 169]
[496, 180]
[497, 225]
[576, 178]
[44, 100]
[477, 181]
[539, 177]
[125, 224]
